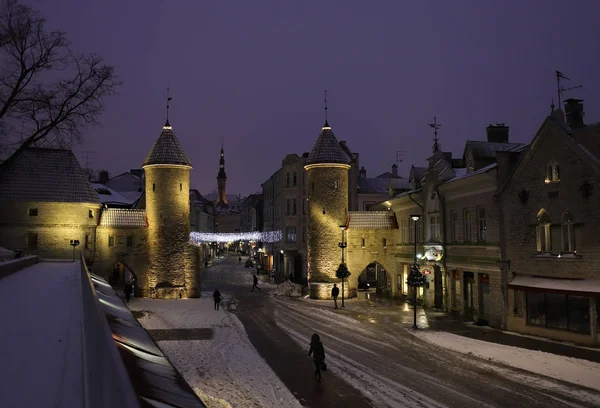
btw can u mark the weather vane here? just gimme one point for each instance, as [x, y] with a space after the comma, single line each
[325, 105]
[435, 126]
[168, 100]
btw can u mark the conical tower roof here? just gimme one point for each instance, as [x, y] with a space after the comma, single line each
[327, 149]
[167, 150]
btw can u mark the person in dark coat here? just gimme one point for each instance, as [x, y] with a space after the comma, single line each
[335, 292]
[127, 291]
[255, 283]
[217, 298]
[239, 259]
[318, 354]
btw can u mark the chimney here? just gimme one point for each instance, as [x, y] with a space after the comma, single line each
[103, 176]
[363, 172]
[574, 113]
[394, 171]
[497, 133]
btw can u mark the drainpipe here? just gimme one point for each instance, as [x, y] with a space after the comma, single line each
[443, 223]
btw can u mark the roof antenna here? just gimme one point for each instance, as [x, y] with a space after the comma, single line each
[168, 105]
[559, 76]
[326, 124]
[435, 126]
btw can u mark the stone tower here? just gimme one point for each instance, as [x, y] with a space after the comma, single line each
[327, 174]
[171, 260]
[222, 180]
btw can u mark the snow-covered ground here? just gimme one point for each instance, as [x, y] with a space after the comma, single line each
[225, 371]
[572, 370]
[40, 345]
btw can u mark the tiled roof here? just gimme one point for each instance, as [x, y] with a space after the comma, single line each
[167, 150]
[374, 220]
[327, 149]
[47, 175]
[121, 217]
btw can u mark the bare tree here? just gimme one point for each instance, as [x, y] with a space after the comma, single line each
[46, 89]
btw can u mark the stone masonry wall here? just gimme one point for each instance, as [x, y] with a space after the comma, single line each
[328, 209]
[171, 266]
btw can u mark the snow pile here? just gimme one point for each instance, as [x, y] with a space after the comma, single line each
[573, 370]
[225, 370]
[288, 289]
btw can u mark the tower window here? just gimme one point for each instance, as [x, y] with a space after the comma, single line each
[323, 210]
[33, 212]
[153, 187]
[335, 184]
[91, 213]
[385, 242]
[363, 242]
[180, 187]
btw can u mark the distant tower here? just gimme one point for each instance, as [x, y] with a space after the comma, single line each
[222, 180]
[327, 173]
[171, 260]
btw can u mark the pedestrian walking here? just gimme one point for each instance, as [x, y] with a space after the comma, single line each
[239, 259]
[217, 298]
[128, 290]
[335, 292]
[255, 283]
[318, 354]
[206, 264]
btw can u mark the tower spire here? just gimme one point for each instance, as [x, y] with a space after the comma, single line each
[435, 126]
[168, 104]
[552, 107]
[326, 123]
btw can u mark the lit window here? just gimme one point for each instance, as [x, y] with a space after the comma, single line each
[568, 232]
[543, 232]
[33, 212]
[482, 225]
[553, 173]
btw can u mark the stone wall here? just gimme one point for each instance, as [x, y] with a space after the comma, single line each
[130, 247]
[56, 224]
[171, 266]
[328, 209]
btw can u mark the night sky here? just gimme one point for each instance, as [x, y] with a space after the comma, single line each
[252, 73]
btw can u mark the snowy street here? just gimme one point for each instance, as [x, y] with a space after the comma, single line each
[374, 358]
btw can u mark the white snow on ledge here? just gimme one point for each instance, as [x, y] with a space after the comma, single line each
[573, 370]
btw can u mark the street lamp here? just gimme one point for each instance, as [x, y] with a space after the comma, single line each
[415, 278]
[74, 243]
[342, 271]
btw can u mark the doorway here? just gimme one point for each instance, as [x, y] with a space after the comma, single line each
[438, 287]
[484, 298]
[469, 283]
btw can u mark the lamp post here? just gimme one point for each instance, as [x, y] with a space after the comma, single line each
[342, 270]
[74, 243]
[415, 279]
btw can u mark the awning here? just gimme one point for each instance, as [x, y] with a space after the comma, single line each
[573, 286]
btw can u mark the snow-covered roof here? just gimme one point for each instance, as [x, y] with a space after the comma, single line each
[123, 217]
[372, 186]
[462, 173]
[377, 220]
[487, 150]
[125, 182]
[579, 286]
[167, 150]
[327, 149]
[111, 197]
[46, 175]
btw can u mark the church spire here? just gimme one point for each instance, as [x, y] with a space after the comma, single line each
[326, 125]
[168, 105]
[222, 179]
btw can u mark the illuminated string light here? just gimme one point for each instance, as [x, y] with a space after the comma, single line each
[198, 238]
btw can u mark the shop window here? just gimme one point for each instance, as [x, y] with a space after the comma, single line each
[552, 173]
[543, 232]
[568, 232]
[558, 311]
[33, 212]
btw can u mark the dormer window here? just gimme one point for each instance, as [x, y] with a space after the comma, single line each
[552, 173]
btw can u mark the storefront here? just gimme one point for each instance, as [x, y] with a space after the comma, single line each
[566, 309]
